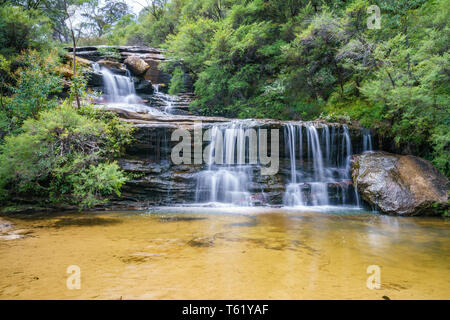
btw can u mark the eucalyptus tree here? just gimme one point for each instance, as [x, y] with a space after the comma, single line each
[98, 17]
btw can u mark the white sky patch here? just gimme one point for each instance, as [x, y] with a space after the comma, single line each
[135, 7]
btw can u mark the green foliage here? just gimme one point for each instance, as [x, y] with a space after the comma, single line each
[109, 52]
[152, 28]
[177, 82]
[35, 81]
[64, 156]
[23, 29]
[91, 186]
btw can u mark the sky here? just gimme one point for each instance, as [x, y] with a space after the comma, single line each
[136, 5]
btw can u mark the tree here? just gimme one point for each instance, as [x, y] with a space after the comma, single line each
[69, 11]
[99, 19]
[155, 8]
[21, 30]
[312, 62]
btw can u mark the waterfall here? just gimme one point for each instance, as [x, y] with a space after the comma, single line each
[165, 99]
[117, 88]
[227, 177]
[293, 194]
[327, 138]
[120, 92]
[316, 152]
[367, 140]
[289, 135]
[318, 171]
[323, 178]
[347, 152]
[170, 104]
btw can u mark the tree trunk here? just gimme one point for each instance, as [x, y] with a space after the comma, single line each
[74, 51]
[74, 65]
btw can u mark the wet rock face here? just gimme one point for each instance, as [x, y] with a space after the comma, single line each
[95, 80]
[158, 181]
[144, 87]
[115, 66]
[400, 185]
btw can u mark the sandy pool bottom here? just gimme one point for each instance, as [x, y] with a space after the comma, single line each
[267, 255]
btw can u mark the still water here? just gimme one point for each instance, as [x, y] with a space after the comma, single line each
[239, 253]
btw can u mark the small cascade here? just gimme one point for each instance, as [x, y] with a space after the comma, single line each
[171, 104]
[367, 141]
[120, 92]
[117, 88]
[319, 172]
[165, 99]
[227, 177]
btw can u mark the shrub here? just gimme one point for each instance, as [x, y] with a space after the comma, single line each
[36, 81]
[23, 29]
[65, 156]
[177, 81]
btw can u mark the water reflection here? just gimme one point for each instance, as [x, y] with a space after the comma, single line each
[174, 253]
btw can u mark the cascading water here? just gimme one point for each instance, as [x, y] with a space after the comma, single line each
[322, 176]
[165, 99]
[120, 91]
[318, 156]
[367, 141]
[171, 104]
[118, 88]
[227, 177]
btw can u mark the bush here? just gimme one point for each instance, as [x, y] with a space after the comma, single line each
[64, 156]
[23, 29]
[109, 52]
[177, 81]
[36, 80]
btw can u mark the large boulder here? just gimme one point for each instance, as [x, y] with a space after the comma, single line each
[400, 185]
[136, 65]
[154, 72]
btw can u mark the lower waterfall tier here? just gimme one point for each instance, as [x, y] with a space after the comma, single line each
[313, 168]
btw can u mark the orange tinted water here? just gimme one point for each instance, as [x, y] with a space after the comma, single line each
[243, 255]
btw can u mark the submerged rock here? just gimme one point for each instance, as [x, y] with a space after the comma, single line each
[8, 231]
[203, 242]
[400, 185]
[5, 226]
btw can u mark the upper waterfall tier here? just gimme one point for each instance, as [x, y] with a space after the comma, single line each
[117, 88]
